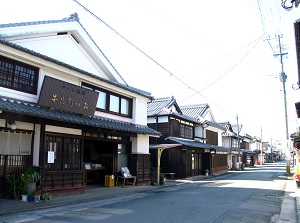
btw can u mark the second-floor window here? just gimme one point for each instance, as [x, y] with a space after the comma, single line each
[186, 131]
[18, 76]
[234, 143]
[111, 102]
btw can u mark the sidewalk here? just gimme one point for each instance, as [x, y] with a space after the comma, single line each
[289, 209]
[291, 202]
[92, 193]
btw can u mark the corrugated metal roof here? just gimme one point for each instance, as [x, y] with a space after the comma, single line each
[190, 143]
[31, 109]
[194, 111]
[163, 146]
[215, 125]
[221, 148]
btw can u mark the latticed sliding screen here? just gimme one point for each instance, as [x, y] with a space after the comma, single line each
[18, 76]
[67, 153]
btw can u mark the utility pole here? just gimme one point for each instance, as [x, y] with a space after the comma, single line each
[261, 145]
[238, 144]
[283, 78]
[271, 151]
[238, 135]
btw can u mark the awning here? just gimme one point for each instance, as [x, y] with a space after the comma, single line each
[213, 124]
[221, 149]
[35, 110]
[249, 151]
[163, 146]
[190, 143]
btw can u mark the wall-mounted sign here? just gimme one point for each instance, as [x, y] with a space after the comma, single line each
[50, 157]
[67, 97]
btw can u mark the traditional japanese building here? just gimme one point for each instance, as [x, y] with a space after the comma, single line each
[66, 110]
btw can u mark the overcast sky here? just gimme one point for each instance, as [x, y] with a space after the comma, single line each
[215, 52]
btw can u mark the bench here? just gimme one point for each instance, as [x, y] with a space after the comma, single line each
[171, 175]
[126, 179]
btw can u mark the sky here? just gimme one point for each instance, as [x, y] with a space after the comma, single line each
[217, 52]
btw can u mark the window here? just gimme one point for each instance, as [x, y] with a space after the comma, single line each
[67, 153]
[124, 106]
[122, 156]
[112, 103]
[18, 76]
[234, 143]
[186, 131]
[101, 100]
[14, 143]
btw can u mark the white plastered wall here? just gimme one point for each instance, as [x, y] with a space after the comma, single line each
[139, 115]
[50, 128]
[140, 144]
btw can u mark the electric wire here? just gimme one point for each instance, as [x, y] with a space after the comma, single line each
[227, 72]
[153, 60]
[263, 27]
[226, 56]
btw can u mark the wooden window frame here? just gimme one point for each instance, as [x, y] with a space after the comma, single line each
[107, 105]
[18, 76]
[186, 131]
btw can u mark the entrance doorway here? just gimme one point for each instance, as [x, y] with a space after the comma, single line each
[99, 159]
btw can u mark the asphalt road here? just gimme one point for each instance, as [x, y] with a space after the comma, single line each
[254, 195]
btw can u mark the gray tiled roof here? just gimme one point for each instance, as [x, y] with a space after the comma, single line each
[194, 111]
[229, 131]
[31, 109]
[34, 53]
[71, 18]
[160, 106]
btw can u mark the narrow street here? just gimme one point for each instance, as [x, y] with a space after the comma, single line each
[253, 195]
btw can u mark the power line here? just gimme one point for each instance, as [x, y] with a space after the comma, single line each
[129, 42]
[139, 50]
[235, 65]
[263, 26]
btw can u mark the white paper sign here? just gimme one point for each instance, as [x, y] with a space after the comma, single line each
[50, 157]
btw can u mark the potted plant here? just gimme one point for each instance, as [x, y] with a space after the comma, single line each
[15, 186]
[37, 195]
[31, 176]
[206, 172]
[46, 196]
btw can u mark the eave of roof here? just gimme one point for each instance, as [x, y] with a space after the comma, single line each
[160, 106]
[221, 148]
[72, 18]
[44, 57]
[215, 125]
[190, 143]
[185, 117]
[31, 109]
[194, 111]
[163, 146]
